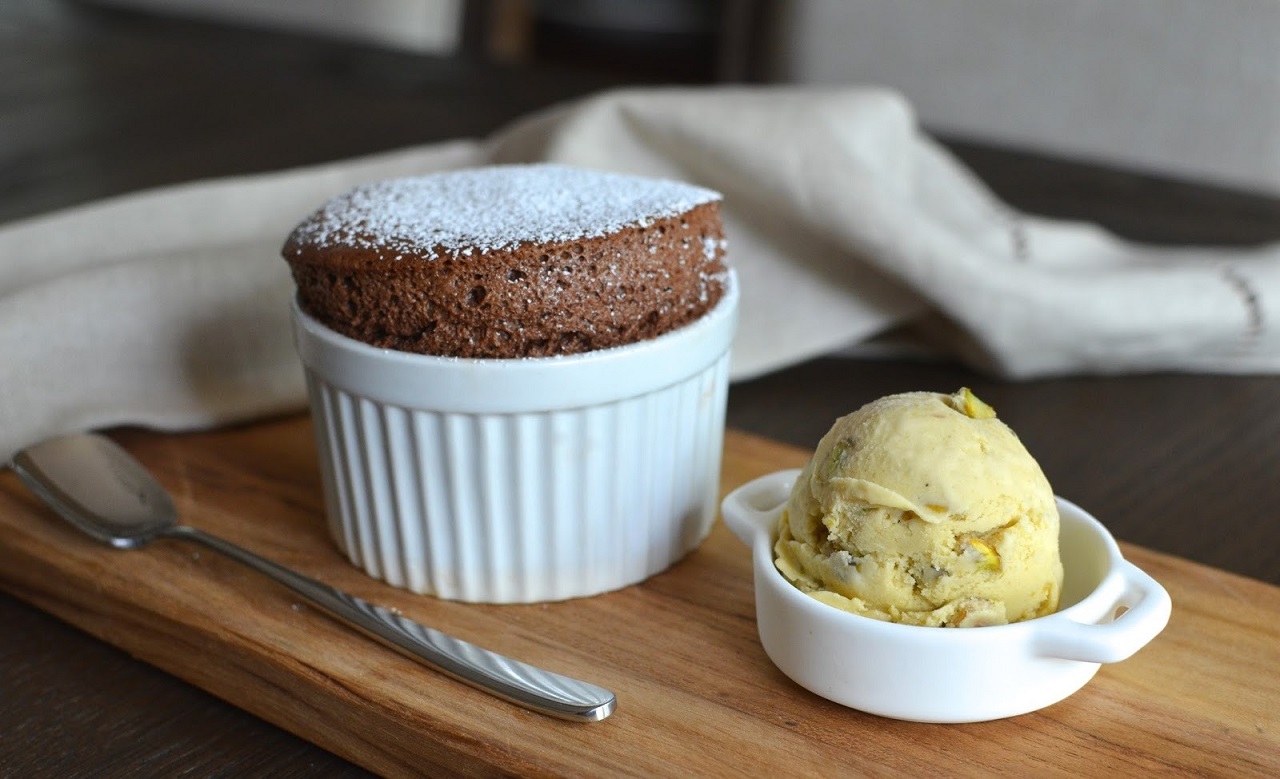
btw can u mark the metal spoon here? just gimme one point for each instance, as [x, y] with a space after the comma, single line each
[101, 489]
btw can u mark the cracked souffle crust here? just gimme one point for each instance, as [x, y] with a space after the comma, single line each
[510, 261]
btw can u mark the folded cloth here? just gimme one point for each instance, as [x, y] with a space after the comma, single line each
[168, 308]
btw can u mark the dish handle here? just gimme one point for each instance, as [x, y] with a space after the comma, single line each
[1148, 607]
[754, 507]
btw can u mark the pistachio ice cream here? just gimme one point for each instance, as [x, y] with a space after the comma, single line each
[924, 509]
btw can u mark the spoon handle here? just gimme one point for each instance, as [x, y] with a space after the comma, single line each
[525, 685]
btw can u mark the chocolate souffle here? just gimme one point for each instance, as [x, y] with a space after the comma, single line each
[510, 261]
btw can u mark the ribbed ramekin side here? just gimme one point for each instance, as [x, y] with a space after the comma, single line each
[320, 400]
[510, 508]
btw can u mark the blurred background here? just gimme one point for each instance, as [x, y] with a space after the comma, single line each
[104, 96]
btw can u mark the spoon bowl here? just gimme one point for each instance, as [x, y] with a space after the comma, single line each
[98, 487]
[93, 484]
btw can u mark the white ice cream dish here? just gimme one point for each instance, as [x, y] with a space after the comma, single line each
[1109, 609]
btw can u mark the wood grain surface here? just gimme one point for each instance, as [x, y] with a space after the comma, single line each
[696, 692]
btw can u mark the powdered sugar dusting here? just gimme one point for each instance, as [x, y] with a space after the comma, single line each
[488, 209]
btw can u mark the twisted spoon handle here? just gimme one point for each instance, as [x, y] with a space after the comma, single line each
[522, 684]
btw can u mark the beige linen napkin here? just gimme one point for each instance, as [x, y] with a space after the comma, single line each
[168, 308]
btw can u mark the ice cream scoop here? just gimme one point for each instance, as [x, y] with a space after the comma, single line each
[925, 509]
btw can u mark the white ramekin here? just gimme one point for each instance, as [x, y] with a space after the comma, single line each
[522, 480]
[930, 674]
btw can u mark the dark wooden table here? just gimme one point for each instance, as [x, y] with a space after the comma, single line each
[96, 105]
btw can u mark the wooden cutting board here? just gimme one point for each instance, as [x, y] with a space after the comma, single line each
[697, 695]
